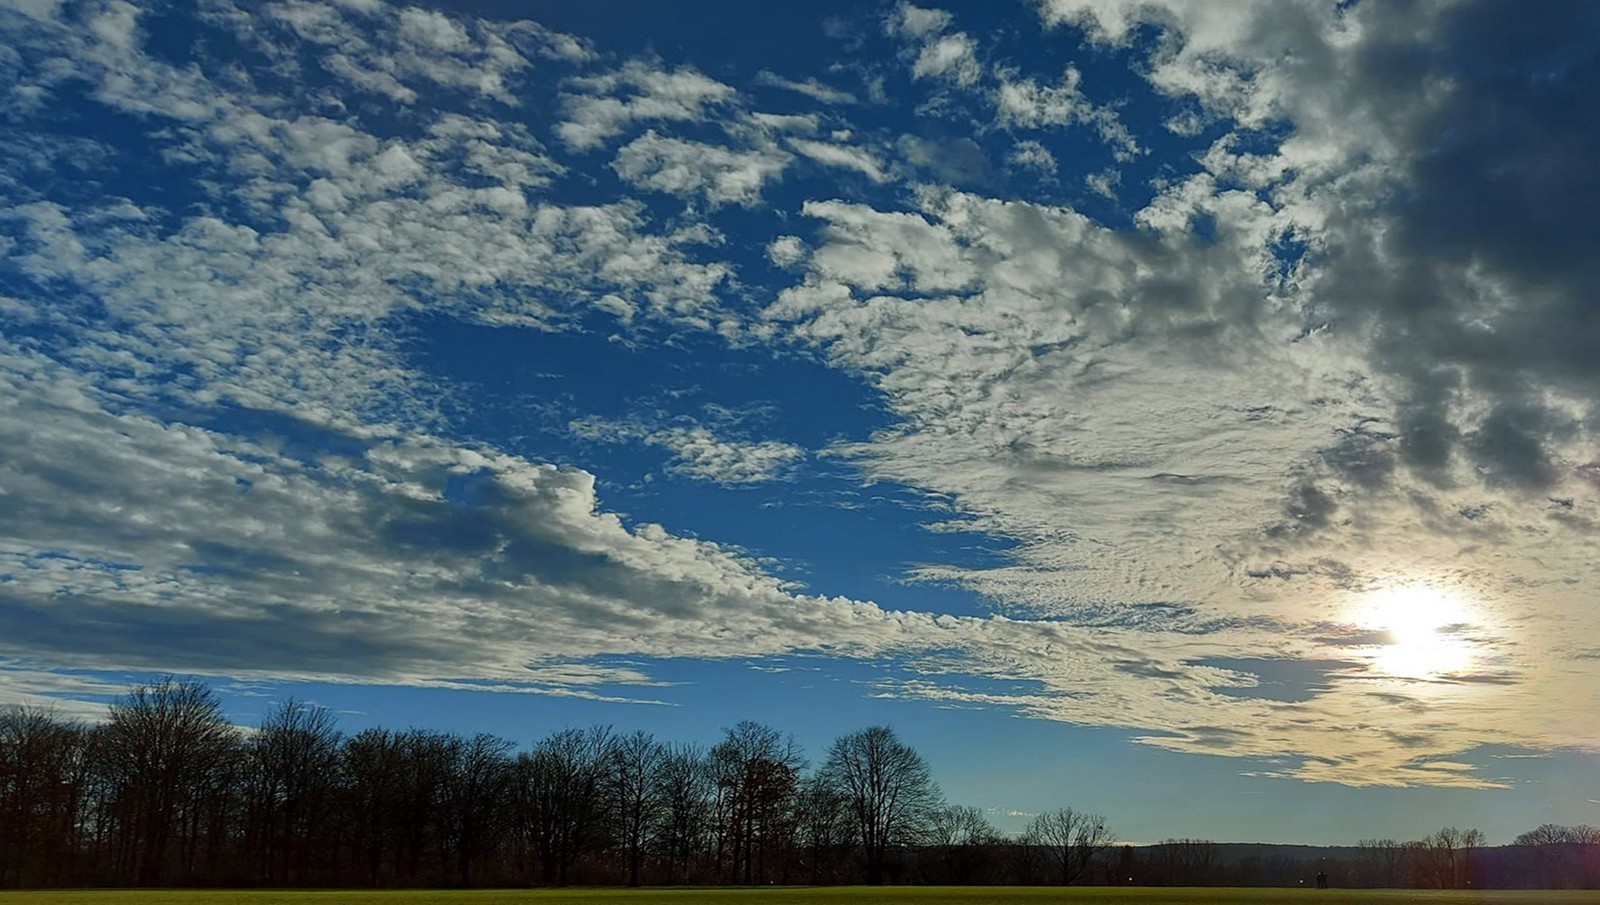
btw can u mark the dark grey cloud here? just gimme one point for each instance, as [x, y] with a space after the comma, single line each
[1485, 287]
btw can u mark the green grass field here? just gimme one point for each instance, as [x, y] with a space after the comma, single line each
[833, 895]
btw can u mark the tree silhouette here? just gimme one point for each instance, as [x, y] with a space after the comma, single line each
[888, 790]
[164, 744]
[1072, 839]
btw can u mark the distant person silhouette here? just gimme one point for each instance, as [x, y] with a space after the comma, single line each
[1322, 880]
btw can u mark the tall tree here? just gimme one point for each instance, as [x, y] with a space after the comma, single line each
[888, 790]
[424, 774]
[756, 770]
[636, 759]
[371, 770]
[683, 790]
[42, 778]
[162, 744]
[475, 809]
[294, 762]
[557, 792]
[1071, 839]
[1548, 845]
[1186, 862]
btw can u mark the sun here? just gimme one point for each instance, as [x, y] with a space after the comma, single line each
[1420, 627]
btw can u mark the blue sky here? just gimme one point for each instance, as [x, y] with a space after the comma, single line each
[1180, 411]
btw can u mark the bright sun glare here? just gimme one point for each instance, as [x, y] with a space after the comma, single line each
[1417, 620]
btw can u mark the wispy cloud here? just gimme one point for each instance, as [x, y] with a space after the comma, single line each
[809, 87]
[699, 453]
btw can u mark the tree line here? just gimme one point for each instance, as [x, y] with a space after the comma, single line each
[167, 791]
[1548, 857]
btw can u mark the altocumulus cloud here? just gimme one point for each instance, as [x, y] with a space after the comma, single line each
[1197, 444]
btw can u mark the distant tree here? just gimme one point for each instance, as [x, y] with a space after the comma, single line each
[1071, 840]
[1127, 871]
[1187, 862]
[1026, 863]
[1547, 844]
[1583, 834]
[1444, 858]
[823, 826]
[1560, 854]
[1546, 834]
[888, 790]
[965, 840]
[1381, 862]
[426, 757]
[371, 765]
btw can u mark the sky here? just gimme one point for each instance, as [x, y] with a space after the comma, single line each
[1176, 410]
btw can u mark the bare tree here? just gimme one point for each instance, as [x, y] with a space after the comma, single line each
[1445, 857]
[424, 771]
[474, 807]
[964, 838]
[824, 826]
[1381, 862]
[683, 788]
[1072, 839]
[42, 775]
[1548, 844]
[888, 790]
[162, 743]
[1583, 834]
[1561, 854]
[636, 759]
[558, 797]
[1186, 862]
[372, 767]
[756, 771]
[293, 759]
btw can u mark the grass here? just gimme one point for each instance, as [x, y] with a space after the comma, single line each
[832, 895]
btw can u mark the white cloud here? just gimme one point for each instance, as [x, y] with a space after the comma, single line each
[341, 227]
[1140, 419]
[787, 251]
[1022, 102]
[777, 122]
[1034, 156]
[809, 87]
[1019, 102]
[1104, 183]
[719, 175]
[700, 454]
[917, 21]
[602, 106]
[397, 51]
[847, 157]
[951, 56]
